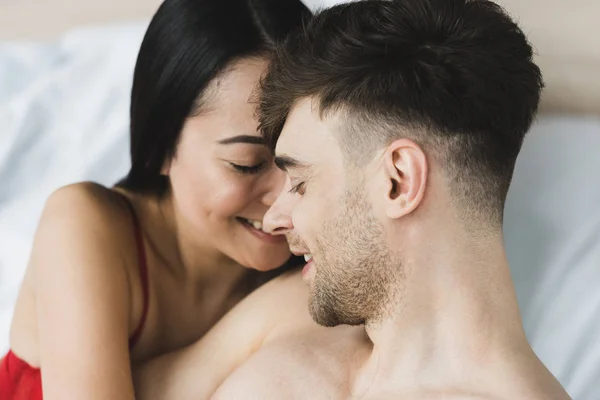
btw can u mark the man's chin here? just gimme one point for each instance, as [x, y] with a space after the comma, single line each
[327, 312]
[322, 315]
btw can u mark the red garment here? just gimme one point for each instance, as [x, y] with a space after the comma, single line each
[21, 381]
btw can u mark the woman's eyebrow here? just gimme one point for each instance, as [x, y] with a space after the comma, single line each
[250, 139]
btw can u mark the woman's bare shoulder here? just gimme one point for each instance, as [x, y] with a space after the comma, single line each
[77, 294]
[85, 219]
[99, 211]
[90, 201]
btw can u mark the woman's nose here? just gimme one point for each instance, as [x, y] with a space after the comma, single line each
[274, 188]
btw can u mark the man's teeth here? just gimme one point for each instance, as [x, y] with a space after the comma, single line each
[307, 257]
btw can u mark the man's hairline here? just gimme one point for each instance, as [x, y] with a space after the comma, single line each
[329, 116]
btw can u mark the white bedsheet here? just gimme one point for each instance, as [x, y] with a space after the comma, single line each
[64, 118]
[552, 234]
[64, 110]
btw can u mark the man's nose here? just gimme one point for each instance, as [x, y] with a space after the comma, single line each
[278, 219]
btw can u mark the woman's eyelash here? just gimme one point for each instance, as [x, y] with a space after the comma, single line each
[297, 188]
[253, 169]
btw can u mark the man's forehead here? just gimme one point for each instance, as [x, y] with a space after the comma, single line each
[305, 135]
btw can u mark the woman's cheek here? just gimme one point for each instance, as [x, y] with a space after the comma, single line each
[230, 198]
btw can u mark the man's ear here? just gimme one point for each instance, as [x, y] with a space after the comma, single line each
[405, 166]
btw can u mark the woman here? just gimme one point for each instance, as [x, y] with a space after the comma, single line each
[118, 276]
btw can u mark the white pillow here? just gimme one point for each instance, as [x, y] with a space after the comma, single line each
[64, 117]
[552, 233]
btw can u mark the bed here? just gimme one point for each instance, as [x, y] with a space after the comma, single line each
[64, 95]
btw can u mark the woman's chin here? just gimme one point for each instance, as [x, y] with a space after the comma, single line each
[267, 264]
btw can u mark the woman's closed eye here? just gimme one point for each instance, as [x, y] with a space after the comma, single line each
[248, 169]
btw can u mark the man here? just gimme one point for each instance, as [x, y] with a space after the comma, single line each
[398, 124]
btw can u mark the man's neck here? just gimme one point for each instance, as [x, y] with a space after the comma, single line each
[455, 312]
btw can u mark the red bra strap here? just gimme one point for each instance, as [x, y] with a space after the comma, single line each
[141, 250]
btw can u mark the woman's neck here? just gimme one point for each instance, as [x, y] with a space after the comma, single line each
[185, 253]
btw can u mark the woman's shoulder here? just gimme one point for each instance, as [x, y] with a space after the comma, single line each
[77, 291]
[85, 217]
[91, 207]
[88, 200]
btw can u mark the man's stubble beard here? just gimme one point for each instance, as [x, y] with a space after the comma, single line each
[357, 277]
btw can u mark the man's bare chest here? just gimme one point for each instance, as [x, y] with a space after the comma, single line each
[318, 365]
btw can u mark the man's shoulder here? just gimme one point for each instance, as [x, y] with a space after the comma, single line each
[315, 363]
[282, 303]
[457, 394]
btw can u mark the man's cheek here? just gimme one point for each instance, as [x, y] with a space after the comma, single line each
[306, 222]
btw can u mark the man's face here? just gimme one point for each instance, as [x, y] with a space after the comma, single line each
[325, 213]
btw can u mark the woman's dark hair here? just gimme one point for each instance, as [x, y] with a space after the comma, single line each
[187, 44]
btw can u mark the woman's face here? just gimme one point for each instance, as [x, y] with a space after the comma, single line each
[223, 177]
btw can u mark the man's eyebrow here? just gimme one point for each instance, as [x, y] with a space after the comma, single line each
[243, 139]
[285, 162]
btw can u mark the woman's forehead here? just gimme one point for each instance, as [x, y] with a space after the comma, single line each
[235, 85]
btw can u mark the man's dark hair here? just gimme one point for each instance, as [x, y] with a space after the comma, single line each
[456, 76]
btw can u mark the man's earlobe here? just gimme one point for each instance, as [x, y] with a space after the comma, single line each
[406, 168]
